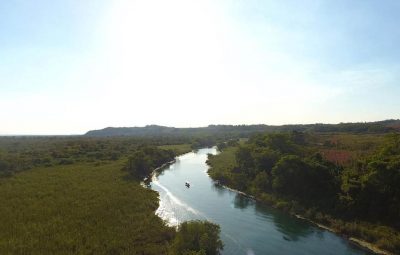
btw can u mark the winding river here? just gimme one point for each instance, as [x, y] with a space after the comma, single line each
[247, 227]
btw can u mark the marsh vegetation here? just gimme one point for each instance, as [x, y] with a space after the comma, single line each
[76, 195]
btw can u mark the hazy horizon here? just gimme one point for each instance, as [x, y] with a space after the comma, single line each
[67, 67]
[100, 128]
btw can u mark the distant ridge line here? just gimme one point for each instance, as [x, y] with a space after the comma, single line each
[385, 126]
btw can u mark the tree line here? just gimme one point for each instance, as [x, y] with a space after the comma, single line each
[240, 131]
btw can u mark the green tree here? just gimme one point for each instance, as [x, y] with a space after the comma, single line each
[138, 164]
[289, 175]
[281, 142]
[197, 237]
[262, 182]
[265, 159]
[245, 160]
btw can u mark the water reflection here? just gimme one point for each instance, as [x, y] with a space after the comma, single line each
[242, 202]
[219, 189]
[292, 228]
[160, 171]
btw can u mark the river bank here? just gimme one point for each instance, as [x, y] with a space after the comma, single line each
[352, 239]
[147, 180]
[356, 241]
[247, 226]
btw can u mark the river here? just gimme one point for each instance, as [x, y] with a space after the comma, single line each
[247, 227]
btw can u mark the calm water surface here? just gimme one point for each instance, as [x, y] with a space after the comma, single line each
[246, 226]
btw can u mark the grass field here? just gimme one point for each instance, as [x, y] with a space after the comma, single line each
[79, 209]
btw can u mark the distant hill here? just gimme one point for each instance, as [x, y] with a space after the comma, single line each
[245, 130]
[155, 130]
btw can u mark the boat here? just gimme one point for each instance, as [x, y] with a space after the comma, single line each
[187, 184]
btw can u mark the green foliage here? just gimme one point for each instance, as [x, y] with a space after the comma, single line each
[146, 159]
[289, 171]
[79, 209]
[203, 141]
[372, 187]
[178, 149]
[289, 175]
[221, 146]
[22, 153]
[392, 146]
[197, 237]
[245, 160]
[262, 182]
[222, 165]
[76, 200]
[265, 159]
[276, 162]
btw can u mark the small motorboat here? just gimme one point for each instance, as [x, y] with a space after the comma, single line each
[187, 184]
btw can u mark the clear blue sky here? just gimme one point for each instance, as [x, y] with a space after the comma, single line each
[70, 66]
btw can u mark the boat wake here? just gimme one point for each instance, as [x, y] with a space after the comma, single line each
[171, 208]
